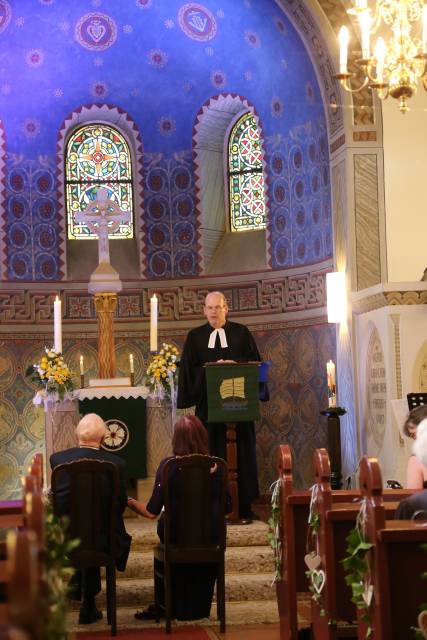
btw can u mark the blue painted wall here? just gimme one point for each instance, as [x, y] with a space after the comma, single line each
[159, 60]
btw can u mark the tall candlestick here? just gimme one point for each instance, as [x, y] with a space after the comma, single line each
[131, 365]
[330, 372]
[153, 323]
[57, 326]
[82, 369]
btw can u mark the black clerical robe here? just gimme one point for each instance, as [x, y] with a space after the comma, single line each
[192, 390]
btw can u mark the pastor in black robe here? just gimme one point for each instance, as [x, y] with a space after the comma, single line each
[192, 391]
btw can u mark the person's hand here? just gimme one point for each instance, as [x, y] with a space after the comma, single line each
[227, 361]
[133, 504]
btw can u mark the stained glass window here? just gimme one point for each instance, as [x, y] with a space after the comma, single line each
[245, 176]
[97, 155]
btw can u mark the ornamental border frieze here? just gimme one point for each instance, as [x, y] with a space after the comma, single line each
[172, 332]
[389, 298]
[259, 297]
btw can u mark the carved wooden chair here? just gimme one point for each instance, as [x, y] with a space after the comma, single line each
[87, 492]
[194, 523]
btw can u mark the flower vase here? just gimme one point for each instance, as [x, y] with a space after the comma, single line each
[159, 432]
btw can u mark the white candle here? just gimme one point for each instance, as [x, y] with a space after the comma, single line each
[132, 370]
[365, 29]
[425, 28]
[57, 326]
[343, 40]
[153, 323]
[82, 369]
[330, 372]
[380, 51]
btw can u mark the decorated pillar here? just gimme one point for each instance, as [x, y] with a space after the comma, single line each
[105, 305]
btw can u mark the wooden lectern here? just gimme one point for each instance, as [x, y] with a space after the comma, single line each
[233, 396]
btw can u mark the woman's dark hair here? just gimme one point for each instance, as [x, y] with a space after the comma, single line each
[189, 436]
[414, 418]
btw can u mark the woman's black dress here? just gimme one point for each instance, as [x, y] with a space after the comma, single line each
[192, 584]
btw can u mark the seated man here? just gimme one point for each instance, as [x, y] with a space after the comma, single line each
[90, 432]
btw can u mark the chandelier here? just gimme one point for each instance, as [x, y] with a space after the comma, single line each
[396, 64]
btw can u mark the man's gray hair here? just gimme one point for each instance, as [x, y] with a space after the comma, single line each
[217, 293]
[91, 428]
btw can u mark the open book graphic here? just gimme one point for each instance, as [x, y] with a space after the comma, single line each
[232, 388]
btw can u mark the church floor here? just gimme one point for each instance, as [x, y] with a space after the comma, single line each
[233, 632]
[247, 632]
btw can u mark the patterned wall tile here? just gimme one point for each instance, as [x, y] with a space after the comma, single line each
[297, 390]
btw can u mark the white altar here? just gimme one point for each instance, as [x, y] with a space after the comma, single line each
[61, 419]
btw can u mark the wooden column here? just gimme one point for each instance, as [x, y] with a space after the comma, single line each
[105, 305]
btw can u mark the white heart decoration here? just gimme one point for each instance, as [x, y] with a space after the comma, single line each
[422, 622]
[312, 560]
[367, 594]
[96, 30]
[318, 580]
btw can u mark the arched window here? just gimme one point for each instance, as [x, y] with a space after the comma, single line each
[245, 176]
[97, 155]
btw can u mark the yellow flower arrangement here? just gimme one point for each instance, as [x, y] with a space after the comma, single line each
[162, 371]
[52, 373]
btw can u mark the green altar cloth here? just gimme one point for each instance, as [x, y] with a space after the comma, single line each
[127, 424]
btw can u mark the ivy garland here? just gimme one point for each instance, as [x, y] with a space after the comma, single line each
[356, 566]
[57, 571]
[273, 535]
[316, 577]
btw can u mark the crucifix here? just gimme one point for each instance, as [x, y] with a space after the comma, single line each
[103, 217]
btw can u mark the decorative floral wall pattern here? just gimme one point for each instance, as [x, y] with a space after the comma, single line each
[297, 388]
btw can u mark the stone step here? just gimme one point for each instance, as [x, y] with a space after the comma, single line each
[139, 592]
[248, 612]
[256, 559]
[144, 535]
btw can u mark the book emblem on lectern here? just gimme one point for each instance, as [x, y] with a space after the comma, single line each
[117, 435]
[232, 392]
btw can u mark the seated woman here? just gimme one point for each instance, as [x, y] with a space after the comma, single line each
[416, 505]
[192, 584]
[416, 472]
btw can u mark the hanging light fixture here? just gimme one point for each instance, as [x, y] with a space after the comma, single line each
[398, 63]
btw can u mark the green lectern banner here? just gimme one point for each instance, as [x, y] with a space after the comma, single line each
[126, 423]
[233, 391]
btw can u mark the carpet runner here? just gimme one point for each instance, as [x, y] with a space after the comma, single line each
[250, 594]
[185, 633]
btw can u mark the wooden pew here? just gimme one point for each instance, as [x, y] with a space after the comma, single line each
[22, 606]
[11, 632]
[396, 563]
[334, 615]
[294, 510]
[36, 469]
[12, 511]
